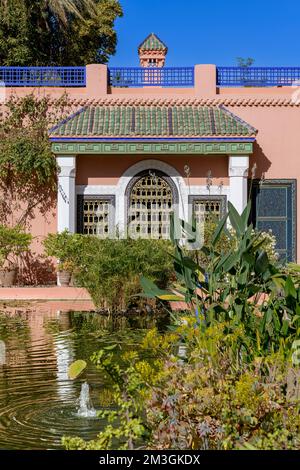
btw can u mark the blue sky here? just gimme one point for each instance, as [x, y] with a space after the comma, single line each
[212, 32]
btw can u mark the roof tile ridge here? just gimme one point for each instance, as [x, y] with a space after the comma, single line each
[227, 101]
[66, 120]
[240, 120]
[247, 100]
[214, 101]
[290, 102]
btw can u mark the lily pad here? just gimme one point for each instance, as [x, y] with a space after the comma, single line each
[76, 368]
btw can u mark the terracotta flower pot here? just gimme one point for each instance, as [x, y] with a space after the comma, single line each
[8, 277]
[63, 278]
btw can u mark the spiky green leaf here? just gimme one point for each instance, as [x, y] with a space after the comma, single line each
[262, 263]
[235, 219]
[218, 231]
[289, 288]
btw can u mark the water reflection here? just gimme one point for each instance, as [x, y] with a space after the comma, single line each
[2, 352]
[38, 402]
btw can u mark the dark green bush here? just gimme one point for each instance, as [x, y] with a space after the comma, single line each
[13, 242]
[66, 247]
[226, 375]
[110, 269]
[216, 400]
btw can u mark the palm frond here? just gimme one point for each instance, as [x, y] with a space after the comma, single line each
[61, 8]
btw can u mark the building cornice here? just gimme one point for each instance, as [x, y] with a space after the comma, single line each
[158, 147]
[242, 101]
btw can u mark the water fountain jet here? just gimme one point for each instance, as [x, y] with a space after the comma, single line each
[86, 409]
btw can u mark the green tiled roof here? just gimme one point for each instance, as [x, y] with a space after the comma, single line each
[153, 121]
[152, 43]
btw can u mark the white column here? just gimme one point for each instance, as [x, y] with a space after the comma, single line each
[238, 177]
[66, 203]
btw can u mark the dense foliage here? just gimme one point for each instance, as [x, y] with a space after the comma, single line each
[57, 32]
[13, 242]
[218, 399]
[28, 169]
[110, 269]
[226, 375]
[243, 285]
[214, 398]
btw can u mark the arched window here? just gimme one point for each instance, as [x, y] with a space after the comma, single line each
[151, 201]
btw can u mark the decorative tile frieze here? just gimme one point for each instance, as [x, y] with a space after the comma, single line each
[133, 148]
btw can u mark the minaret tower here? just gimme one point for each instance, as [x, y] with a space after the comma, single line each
[152, 52]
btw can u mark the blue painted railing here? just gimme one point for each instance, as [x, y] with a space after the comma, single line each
[151, 76]
[43, 76]
[258, 76]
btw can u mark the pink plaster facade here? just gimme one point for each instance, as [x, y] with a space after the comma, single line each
[273, 111]
[277, 148]
[108, 169]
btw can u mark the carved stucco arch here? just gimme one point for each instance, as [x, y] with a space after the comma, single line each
[158, 173]
[132, 174]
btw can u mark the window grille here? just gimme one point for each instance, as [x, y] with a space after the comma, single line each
[205, 209]
[150, 205]
[95, 215]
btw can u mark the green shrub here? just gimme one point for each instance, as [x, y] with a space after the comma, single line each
[242, 284]
[214, 399]
[13, 242]
[228, 241]
[110, 269]
[66, 247]
[217, 400]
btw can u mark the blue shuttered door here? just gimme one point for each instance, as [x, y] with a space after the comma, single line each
[274, 208]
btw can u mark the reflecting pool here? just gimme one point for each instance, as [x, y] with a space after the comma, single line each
[38, 403]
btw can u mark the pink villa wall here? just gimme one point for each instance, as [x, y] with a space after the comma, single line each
[248, 91]
[276, 153]
[277, 148]
[107, 169]
[35, 268]
[278, 140]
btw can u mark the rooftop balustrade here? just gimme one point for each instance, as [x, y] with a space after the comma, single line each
[43, 76]
[151, 76]
[133, 77]
[257, 76]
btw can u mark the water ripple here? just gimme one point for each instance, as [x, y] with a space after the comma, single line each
[38, 403]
